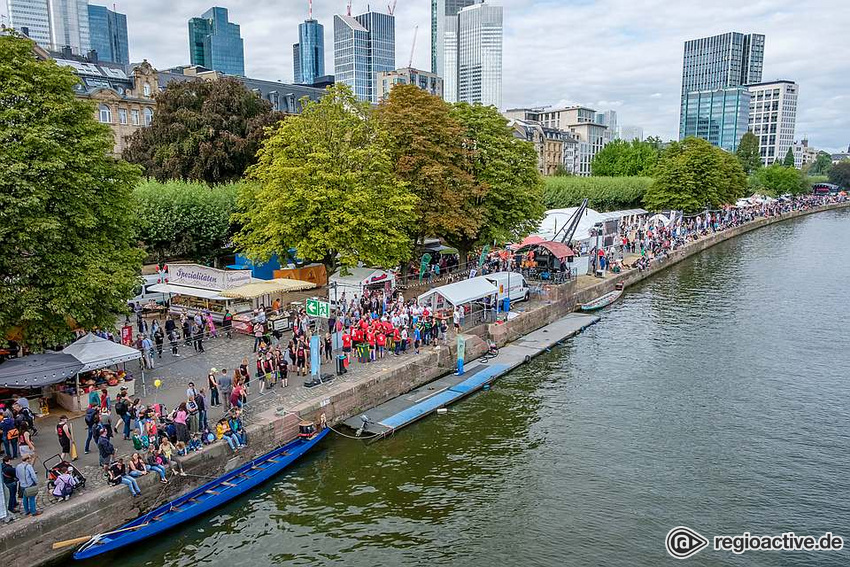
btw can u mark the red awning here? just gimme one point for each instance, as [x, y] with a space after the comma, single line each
[531, 240]
[558, 249]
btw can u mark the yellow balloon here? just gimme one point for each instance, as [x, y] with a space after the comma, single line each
[157, 382]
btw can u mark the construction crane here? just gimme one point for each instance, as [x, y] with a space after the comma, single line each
[413, 47]
[391, 7]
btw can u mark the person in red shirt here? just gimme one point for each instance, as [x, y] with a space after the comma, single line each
[346, 344]
[357, 336]
[381, 341]
[364, 324]
[370, 338]
[396, 340]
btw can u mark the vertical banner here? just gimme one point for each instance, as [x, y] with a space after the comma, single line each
[483, 257]
[127, 335]
[461, 353]
[314, 355]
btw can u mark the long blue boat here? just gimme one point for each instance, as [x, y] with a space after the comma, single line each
[201, 500]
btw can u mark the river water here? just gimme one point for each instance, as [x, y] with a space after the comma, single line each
[714, 395]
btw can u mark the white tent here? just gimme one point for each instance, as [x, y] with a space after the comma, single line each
[556, 219]
[360, 278]
[96, 352]
[462, 292]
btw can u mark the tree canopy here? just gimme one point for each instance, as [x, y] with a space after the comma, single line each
[602, 193]
[202, 130]
[840, 174]
[504, 170]
[693, 174]
[748, 153]
[326, 186]
[789, 158]
[69, 256]
[620, 158]
[821, 165]
[182, 219]
[777, 179]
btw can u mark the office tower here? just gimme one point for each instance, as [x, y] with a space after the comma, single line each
[773, 118]
[719, 116]
[717, 64]
[629, 133]
[363, 47]
[309, 53]
[608, 118]
[479, 55]
[108, 32]
[444, 12]
[216, 43]
[53, 24]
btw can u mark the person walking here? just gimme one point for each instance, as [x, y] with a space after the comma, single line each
[147, 351]
[181, 415]
[105, 449]
[92, 419]
[122, 408]
[159, 338]
[10, 480]
[225, 383]
[227, 324]
[10, 435]
[201, 400]
[28, 483]
[212, 382]
[174, 339]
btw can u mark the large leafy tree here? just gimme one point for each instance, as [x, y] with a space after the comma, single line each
[68, 254]
[625, 159]
[182, 219]
[326, 186]
[426, 144]
[777, 179]
[693, 174]
[821, 165]
[789, 158]
[748, 153]
[202, 130]
[509, 199]
[840, 174]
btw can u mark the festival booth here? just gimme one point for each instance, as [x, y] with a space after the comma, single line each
[466, 294]
[194, 288]
[546, 260]
[261, 294]
[313, 273]
[103, 367]
[36, 372]
[360, 279]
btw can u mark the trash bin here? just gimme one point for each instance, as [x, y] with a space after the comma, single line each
[340, 365]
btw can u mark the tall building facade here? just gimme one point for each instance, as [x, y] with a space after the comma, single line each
[53, 24]
[309, 53]
[629, 133]
[363, 47]
[479, 54]
[216, 43]
[429, 82]
[719, 116]
[773, 118]
[608, 118]
[444, 42]
[716, 64]
[108, 33]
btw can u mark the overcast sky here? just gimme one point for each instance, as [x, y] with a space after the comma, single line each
[624, 55]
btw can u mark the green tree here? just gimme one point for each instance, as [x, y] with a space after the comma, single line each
[821, 165]
[789, 158]
[202, 130]
[778, 180]
[68, 255]
[748, 153]
[426, 145]
[621, 158]
[183, 219]
[602, 193]
[504, 168]
[326, 186]
[693, 174]
[840, 174]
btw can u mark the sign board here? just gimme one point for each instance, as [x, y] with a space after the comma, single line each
[316, 308]
[195, 275]
[315, 361]
[127, 335]
[281, 324]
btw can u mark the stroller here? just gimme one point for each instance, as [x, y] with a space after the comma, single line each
[52, 472]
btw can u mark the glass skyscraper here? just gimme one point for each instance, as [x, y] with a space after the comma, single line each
[53, 24]
[363, 47]
[718, 65]
[479, 55]
[108, 32]
[444, 32]
[720, 116]
[216, 43]
[309, 53]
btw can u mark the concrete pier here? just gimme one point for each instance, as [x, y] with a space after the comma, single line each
[28, 541]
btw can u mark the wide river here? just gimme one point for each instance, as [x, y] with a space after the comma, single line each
[715, 395]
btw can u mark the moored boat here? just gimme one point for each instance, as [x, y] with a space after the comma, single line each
[604, 300]
[204, 498]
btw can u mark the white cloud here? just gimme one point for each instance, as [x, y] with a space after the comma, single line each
[625, 51]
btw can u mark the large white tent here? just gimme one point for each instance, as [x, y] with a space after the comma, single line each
[359, 279]
[556, 219]
[95, 352]
[460, 293]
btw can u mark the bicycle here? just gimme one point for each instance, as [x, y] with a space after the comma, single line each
[492, 352]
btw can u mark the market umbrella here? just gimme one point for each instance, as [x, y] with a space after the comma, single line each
[37, 370]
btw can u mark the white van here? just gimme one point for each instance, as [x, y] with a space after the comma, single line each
[519, 290]
[144, 294]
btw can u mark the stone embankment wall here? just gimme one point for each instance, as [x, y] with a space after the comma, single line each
[29, 542]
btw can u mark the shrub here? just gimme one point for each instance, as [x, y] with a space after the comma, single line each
[603, 193]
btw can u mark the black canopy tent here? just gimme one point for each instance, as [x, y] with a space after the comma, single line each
[38, 370]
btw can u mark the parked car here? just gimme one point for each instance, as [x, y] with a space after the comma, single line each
[519, 290]
[144, 294]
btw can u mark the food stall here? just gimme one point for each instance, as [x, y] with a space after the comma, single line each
[261, 294]
[546, 259]
[38, 371]
[103, 367]
[194, 289]
[471, 295]
[359, 279]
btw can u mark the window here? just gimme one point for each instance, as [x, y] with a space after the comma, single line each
[105, 114]
[122, 115]
[148, 116]
[134, 114]
[147, 89]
